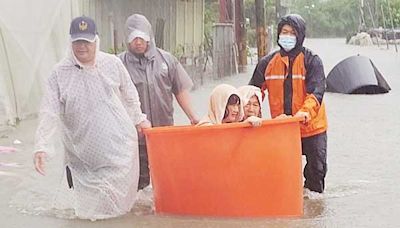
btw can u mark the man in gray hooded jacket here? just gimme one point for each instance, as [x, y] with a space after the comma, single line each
[157, 76]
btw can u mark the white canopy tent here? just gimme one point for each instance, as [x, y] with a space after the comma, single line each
[33, 37]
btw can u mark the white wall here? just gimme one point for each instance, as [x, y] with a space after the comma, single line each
[34, 37]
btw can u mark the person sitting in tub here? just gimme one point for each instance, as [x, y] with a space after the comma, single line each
[224, 106]
[252, 100]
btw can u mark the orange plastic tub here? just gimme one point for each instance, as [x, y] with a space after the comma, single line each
[229, 170]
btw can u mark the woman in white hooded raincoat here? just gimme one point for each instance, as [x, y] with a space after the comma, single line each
[252, 100]
[97, 107]
[224, 106]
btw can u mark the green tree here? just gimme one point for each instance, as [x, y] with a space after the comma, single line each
[337, 18]
[330, 18]
[324, 18]
[394, 9]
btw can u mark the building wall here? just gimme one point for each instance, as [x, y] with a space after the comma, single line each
[190, 25]
[183, 21]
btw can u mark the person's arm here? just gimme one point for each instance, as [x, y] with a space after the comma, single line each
[183, 99]
[181, 85]
[39, 161]
[130, 99]
[258, 77]
[49, 119]
[315, 87]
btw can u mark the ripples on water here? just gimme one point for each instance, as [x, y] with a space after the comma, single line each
[37, 200]
[352, 187]
[40, 201]
[38, 195]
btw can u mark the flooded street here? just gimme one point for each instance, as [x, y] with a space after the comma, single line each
[362, 187]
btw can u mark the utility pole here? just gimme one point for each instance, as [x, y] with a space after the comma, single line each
[376, 10]
[260, 29]
[391, 20]
[362, 25]
[225, 51]
[385, 32]
[226, 11]
[373, 23]
[230, 8]
[222, 11]
[278, 11]
[240, 30]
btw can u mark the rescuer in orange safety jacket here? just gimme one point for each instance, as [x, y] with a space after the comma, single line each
[295, 80]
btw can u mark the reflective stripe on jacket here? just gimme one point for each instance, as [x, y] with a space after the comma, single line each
[303, 89]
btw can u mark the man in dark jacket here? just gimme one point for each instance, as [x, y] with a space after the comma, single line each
[295, 80]
[158, 77]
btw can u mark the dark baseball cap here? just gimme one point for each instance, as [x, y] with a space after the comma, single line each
[83, 28]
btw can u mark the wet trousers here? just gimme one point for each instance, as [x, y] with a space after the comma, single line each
[314, 148]
[144, 174]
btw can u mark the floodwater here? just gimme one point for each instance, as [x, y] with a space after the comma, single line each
[362, 187]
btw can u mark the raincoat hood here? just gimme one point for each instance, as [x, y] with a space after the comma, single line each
[217, 104]
[137, 23]
[247, 91]
[298, 23]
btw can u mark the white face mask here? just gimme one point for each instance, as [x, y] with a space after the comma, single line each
[288, 42]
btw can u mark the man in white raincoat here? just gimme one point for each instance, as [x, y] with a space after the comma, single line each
[92, 97]
[158, 77]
